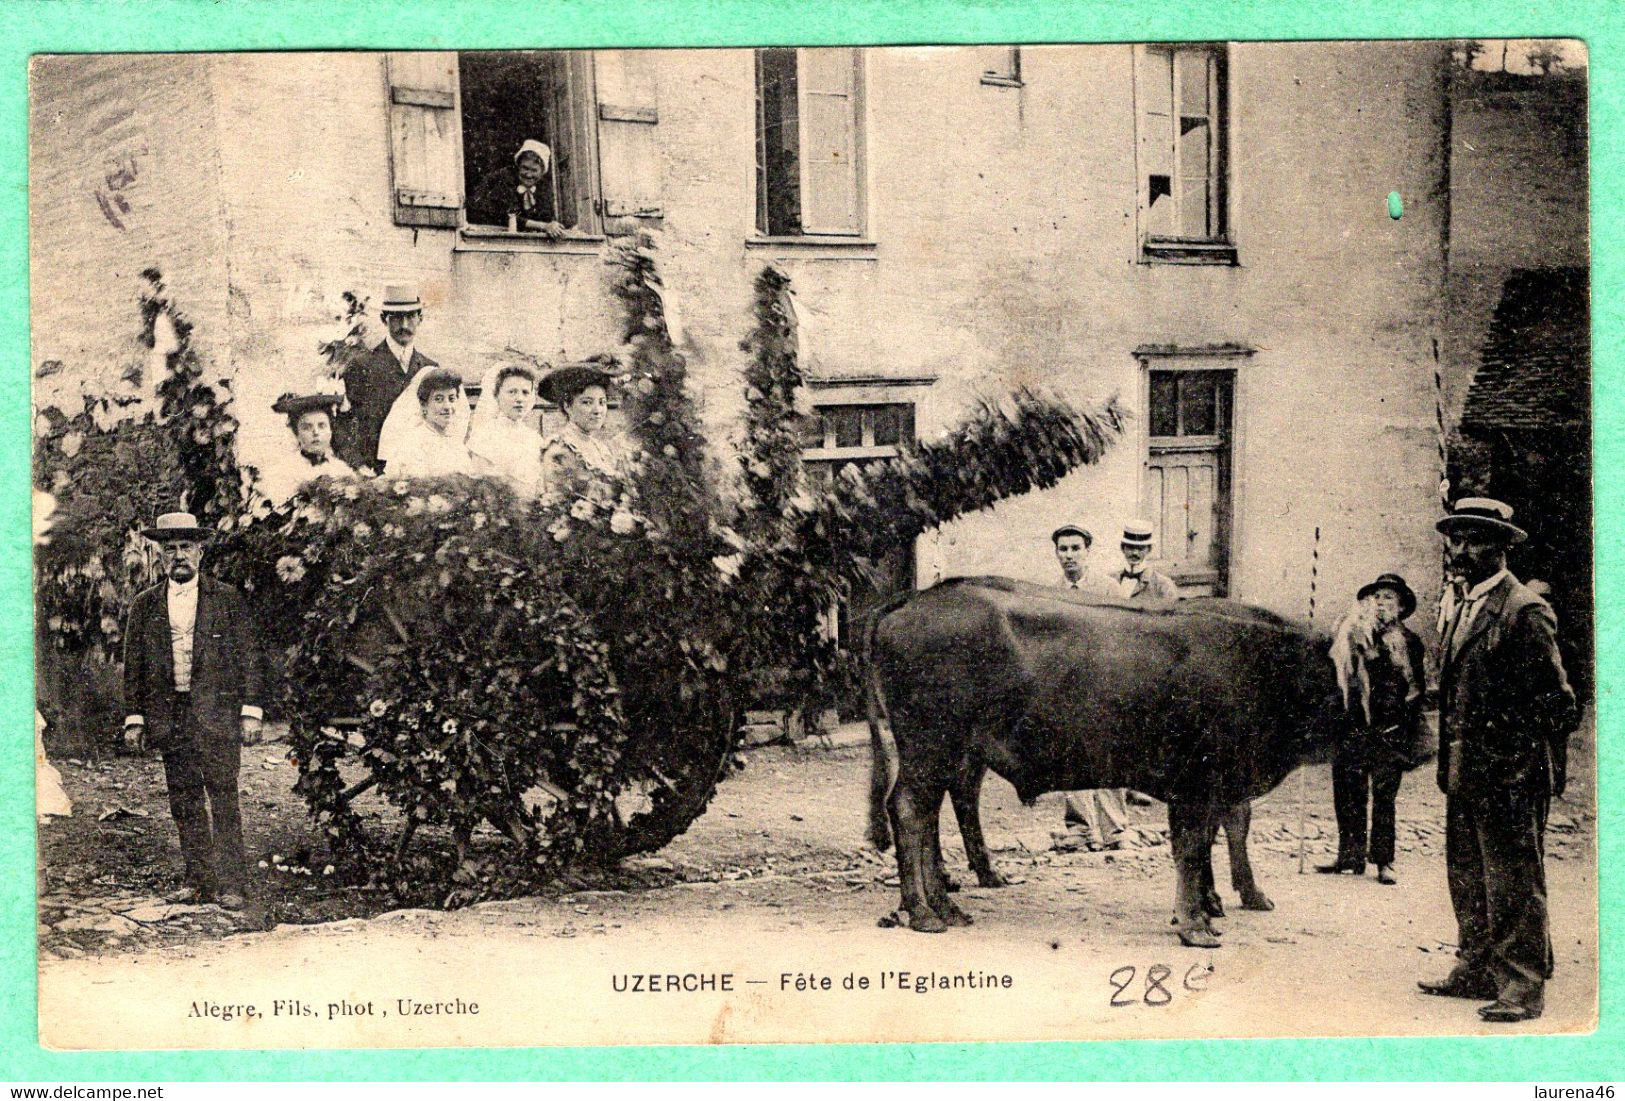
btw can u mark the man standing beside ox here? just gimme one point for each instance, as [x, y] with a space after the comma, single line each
[1505, 713]
[193, 685]
[372, 382]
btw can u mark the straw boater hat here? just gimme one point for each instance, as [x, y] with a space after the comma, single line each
[1407, 599]
[174, 525]
[560, 386]
[1137, 533]
[401, 298]
[1485, 514]
[1072, 529]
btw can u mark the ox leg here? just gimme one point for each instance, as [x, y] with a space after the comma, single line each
[912, 815]
[1190, 831]
[966, 794]
[1212, 904]
[936, 883]
[1238, 824]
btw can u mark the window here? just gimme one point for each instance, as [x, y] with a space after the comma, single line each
[509, 97]
[1002, 66]
[838, 435]
[1183, 150]
[809, 142]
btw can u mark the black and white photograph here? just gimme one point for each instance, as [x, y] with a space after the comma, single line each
[813, 545]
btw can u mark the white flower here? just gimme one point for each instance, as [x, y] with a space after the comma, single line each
[401, 487]
[361, 529]
[351, 490]
[449, 726]
[290, 568]
[582, 509]
[438, 504]
[479, 520]
[377, 708]
[392, 531]
[561, 532]
[622, 522]
[414, 506]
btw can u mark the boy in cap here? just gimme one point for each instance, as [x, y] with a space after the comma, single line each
[1381, 661]
[372, 382]
[1505, 713]
[193, 685]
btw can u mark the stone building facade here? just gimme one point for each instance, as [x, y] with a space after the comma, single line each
[1201, 230]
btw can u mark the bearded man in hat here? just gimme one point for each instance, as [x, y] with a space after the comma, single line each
[1380, 661]
[1505, 713]
[193, 685]
[372, 382]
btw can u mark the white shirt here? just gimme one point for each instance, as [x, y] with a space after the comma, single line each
[1472, 601]
[402, 354]
[181, 601]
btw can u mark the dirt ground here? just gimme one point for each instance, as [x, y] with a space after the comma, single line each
[774, 881]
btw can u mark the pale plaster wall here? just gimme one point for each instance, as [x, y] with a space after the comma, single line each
[1005, 249]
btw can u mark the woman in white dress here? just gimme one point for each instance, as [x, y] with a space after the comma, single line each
[581, 452]
[499, 438]
[310, 416]
[424, 435]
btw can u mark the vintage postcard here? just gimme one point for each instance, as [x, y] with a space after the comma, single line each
[600, 547]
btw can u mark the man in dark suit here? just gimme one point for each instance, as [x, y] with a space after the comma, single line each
[372, 382]
[1505, 714]
[193, 685]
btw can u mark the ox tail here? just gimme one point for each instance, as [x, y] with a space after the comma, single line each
[879, 834]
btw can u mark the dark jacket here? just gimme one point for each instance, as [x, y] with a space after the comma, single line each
[227, 665]
[1505, 705]
[497, 195]
[372, 382]
[1395, 735]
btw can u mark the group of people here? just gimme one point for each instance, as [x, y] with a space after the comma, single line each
[395, 410]
[1506, 710]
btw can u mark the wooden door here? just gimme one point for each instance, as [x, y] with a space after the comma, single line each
[1187, 487]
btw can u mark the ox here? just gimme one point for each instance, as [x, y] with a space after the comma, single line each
[1204, 705]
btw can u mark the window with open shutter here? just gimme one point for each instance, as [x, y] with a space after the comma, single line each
[425, 140]
[809, 142]
[628, 124]
[1182, 145]
[509, 97]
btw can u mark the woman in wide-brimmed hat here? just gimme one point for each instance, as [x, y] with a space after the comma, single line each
[583, 451]
[310, 418]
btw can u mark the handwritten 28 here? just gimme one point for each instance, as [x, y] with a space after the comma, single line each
[1154, 990]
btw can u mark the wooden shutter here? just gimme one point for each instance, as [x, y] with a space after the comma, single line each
[828, 91]
[628, 136]
[425, 139]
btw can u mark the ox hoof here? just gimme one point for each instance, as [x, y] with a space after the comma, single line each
[991, 879]
[1200, 937]
[1212, 904]
[1256, 900]
[950, 885]
[953, 915]
[929, 923]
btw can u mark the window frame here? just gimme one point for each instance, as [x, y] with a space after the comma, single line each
[1215, 248]
[588, 233]
[760, 229]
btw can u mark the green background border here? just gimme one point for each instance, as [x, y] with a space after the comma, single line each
[28, 27]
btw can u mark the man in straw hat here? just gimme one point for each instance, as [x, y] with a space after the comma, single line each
[372, 382]
[193, 684]
[1136, 581]
[1505, 714]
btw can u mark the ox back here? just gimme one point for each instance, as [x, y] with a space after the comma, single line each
[1206, 702]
